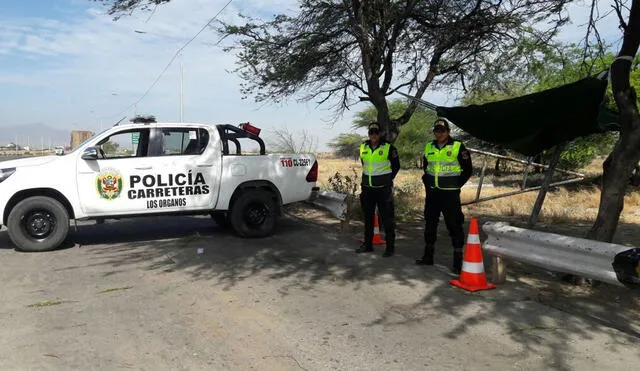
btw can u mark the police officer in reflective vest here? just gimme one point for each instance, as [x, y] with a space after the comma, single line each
[380, 164]
[447, 167]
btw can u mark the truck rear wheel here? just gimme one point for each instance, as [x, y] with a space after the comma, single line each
[38, 224]
[254, 214]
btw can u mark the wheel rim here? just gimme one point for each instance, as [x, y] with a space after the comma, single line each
[38, 224]
[256, 214]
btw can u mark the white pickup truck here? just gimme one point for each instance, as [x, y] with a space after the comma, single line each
[141, 169]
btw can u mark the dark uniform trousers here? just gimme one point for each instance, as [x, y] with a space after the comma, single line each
[446, 202]
[382, 197]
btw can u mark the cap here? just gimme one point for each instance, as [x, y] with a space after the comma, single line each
[440, 123]
[373, 125]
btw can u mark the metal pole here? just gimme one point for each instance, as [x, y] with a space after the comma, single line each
[523, 161]
[498, 270]
[484, 168]
[181, 89]
[533, 219]
[575, 180]
[526, 173]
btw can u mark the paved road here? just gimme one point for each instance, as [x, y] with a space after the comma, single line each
[135, 294]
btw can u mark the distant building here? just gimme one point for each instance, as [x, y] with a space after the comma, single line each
[78, 137]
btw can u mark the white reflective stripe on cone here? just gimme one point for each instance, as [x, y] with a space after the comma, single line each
[473, 239]
[376, 230]
[473, 267]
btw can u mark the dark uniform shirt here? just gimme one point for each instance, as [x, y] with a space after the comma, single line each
[393, 157]
[464, 158]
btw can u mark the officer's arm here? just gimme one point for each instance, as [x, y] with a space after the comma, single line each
[464, 158]
[424, 169]
[394, 158]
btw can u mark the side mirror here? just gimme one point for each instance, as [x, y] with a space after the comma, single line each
[90, 153]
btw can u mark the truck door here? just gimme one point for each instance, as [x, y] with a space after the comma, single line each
[187, 175]
[104, 185]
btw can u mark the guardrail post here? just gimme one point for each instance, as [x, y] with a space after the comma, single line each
[498, 270]
[345, 224]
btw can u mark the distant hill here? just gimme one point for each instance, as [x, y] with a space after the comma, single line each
[35, 135]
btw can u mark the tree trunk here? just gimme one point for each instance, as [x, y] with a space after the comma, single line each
[626, 152]
[390, 130]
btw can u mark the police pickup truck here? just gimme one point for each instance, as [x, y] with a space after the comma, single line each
[143, 169]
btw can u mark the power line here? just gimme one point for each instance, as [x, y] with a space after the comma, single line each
[173, 59]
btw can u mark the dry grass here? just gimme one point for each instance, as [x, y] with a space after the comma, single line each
[328, 167]
[561, 205]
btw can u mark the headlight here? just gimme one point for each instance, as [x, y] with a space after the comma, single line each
[5, 173]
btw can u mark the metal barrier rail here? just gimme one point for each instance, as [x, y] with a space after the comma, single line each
[332, 201]
[578, 256]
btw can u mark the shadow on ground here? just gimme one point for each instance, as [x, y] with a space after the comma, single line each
[302, 253]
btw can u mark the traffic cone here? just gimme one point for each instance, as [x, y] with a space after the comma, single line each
[377, 238]
[472, 277]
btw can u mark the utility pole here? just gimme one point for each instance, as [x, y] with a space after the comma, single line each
[180, 55]
[181, 89]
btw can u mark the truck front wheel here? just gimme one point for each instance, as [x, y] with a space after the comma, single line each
[254, 214]
[38, 224]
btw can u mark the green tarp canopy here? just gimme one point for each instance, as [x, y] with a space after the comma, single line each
[539, 121]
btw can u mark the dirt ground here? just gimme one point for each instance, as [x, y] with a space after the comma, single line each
[613, 306]
[179, 293]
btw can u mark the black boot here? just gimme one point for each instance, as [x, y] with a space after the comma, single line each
[427, 259]
[389, 251]
[364, 248]
[457, 261]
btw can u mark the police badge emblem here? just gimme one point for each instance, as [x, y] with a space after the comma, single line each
[109, 184]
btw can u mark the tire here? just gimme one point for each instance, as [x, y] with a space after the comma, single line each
[254, 214]
[38, 224]
[221, 219]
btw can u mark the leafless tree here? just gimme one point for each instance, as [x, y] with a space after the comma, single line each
[283, 140]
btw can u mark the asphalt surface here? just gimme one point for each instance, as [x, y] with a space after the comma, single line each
[138, 295]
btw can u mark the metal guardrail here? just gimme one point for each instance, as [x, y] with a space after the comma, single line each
[578, 256]
[332, 201]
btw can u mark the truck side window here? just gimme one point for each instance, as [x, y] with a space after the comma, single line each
[125, 144]
[184, 141]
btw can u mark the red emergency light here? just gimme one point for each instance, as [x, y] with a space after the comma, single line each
[250, 128]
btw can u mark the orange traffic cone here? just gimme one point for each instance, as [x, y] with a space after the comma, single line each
[377, 237]
[472, 277]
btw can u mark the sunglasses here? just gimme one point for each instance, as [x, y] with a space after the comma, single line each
[439, 130]
[374, 131]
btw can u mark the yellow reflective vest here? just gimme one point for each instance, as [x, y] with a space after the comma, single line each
[443, 168]
[376, 167]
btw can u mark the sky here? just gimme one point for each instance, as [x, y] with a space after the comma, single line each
[69, 65]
